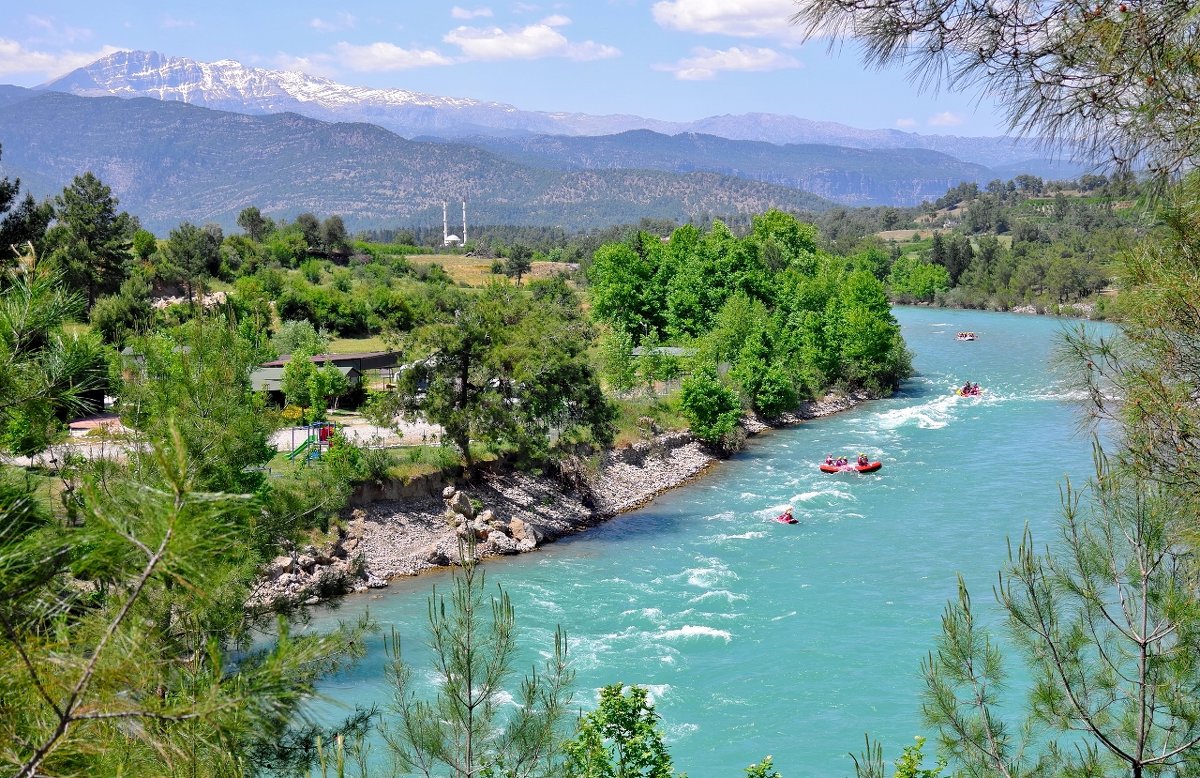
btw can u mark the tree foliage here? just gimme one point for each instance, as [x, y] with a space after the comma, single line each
[90, 240]
[461, 732]
[505, 370]
[114, 637]
[45, 375]
[620, 739]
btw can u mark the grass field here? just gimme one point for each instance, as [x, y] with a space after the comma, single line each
[477, 271]
[356, 345]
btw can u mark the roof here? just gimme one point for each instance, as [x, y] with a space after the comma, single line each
[664, 351]
[270, 379]
[357, 356]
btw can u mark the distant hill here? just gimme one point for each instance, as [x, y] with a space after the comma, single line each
[230, 85]
[170, 161]
[845, 175]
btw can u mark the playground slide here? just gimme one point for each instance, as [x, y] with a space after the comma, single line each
[302, 447]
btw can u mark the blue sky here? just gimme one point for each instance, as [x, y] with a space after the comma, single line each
[665, 59]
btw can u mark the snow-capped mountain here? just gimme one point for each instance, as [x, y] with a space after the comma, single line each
[232, 86]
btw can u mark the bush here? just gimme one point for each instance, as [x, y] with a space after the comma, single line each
[711, 408]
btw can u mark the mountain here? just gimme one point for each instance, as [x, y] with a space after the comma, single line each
[231, 86]
[170, 161]
[845, 175]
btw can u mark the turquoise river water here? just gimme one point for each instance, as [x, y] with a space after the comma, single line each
[759, 638]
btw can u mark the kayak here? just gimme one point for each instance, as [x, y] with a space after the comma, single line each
[870, 467]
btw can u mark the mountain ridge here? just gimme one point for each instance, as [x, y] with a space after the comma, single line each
[170, 161]
[230, 85]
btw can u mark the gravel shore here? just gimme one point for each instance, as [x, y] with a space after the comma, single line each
[505, 513]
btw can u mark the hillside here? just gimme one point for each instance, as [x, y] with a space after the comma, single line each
[170, 161]
[845, 175]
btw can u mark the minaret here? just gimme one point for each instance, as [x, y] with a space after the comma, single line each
[445, 225]
[464, 222]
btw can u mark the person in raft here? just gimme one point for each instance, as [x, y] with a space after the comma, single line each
[786, 517]
[862, 459]
[966, 388]
[841, 461]
[829, 459]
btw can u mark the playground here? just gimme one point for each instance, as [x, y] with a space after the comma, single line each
[355, 429]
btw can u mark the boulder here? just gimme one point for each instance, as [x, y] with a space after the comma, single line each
[499, 543]
[461, 504]
[449, 491]
[374, 582]
[434, 556]
[527, 535]
[306, 562]
[280, 565]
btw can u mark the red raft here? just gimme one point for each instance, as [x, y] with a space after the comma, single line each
[870, 467]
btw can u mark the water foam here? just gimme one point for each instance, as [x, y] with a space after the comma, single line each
[743, 536]
[933, 414]
[695, 630]
[718, 594]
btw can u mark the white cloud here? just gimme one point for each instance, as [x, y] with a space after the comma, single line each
[343, 21]
[744, 19]
[376, 57]
[906, 123]
[945, 119]
[469, 13]
[173, 23]
[535, 41]
[707, 63]
[15, 58]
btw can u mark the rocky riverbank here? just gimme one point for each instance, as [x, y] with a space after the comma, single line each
[505, 513]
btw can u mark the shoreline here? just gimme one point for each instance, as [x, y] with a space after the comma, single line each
[505, 513]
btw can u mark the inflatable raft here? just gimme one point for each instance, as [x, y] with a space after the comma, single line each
[870, 467]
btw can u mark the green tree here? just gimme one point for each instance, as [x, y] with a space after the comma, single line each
[461, 732]
[255, 225]
[620, 739]
[1108, 626]
[299, 377]
[296, 336]
[711, 408]
[334, 238]
[623, 290]
[617, 362]
[90, 240]
[195, 379]
[45, 375]
[144, 244]
[20, 225]
[310, 231]
[503, 370]
[193, 254]
[518, 262]
[116, 638]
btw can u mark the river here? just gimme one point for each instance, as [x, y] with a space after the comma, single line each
[760, 638]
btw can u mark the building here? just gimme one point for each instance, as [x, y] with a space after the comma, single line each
[362, 361]
[270, 380]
